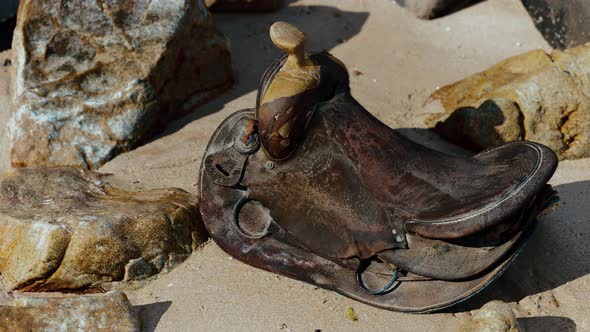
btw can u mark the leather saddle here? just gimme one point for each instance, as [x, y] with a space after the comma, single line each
[310, 185]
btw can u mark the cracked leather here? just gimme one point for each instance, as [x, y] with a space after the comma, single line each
[353, 191]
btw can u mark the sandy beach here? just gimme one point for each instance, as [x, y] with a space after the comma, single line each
[396, 61]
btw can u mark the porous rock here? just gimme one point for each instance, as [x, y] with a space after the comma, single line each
[534, 96]
[68, 229]
[98, 312]
[494, 316]
[94, 78]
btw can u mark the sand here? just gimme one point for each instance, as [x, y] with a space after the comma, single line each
[401, 60]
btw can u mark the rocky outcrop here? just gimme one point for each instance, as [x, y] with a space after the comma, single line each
[101, 312]
[93, 78]
[68, 229]
[243, 5]
[534, 96]
[494, 316]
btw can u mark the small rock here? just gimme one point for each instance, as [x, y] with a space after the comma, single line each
[534, 96]
[138, 269]
[495, 316]
[59, 230]
[105, 312]
[95, 78]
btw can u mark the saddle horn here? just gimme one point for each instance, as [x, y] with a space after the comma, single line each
[292, 87]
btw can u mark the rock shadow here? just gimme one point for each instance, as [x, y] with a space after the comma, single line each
[150, 314]
[546, 324]
[556, 254]
[8, 10]
[253, 51]
[432, 9]
[6, 31]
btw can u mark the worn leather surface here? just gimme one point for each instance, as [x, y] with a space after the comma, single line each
[354, 192]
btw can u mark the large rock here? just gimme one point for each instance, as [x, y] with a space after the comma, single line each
[93, 78]
[495, 316]
[534, 96]
[101, 312]
[68, 229]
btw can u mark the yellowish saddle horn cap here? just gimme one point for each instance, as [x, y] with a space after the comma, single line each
[290, 40]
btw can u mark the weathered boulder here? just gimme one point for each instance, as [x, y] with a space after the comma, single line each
[494, 316]
[93, 78]
[562, 23]
[533, 96]
[98, 312]
[68, 229]
[429, 9]
[243, 5]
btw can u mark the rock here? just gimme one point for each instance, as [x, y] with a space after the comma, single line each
[533, 96]
[243, 5]
[68, 229]
[95, 78]
[495, 316]
[430, 9]
[563, 23]
[99, 312]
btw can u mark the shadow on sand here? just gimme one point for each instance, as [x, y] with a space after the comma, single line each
[439, 8]
[546, 324]
[150, 314]
[253, 51]
[557, 253]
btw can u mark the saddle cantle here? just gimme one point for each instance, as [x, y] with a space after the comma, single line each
[311, 186]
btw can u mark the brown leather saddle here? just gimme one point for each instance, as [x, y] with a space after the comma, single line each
[310, 185]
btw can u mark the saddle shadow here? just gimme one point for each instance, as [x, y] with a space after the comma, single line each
[465, 132]
[150, 314]
[556, 254]
[253, 51]
[546, 324]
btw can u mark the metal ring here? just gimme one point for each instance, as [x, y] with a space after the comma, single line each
[386, 289]
[254, 236]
